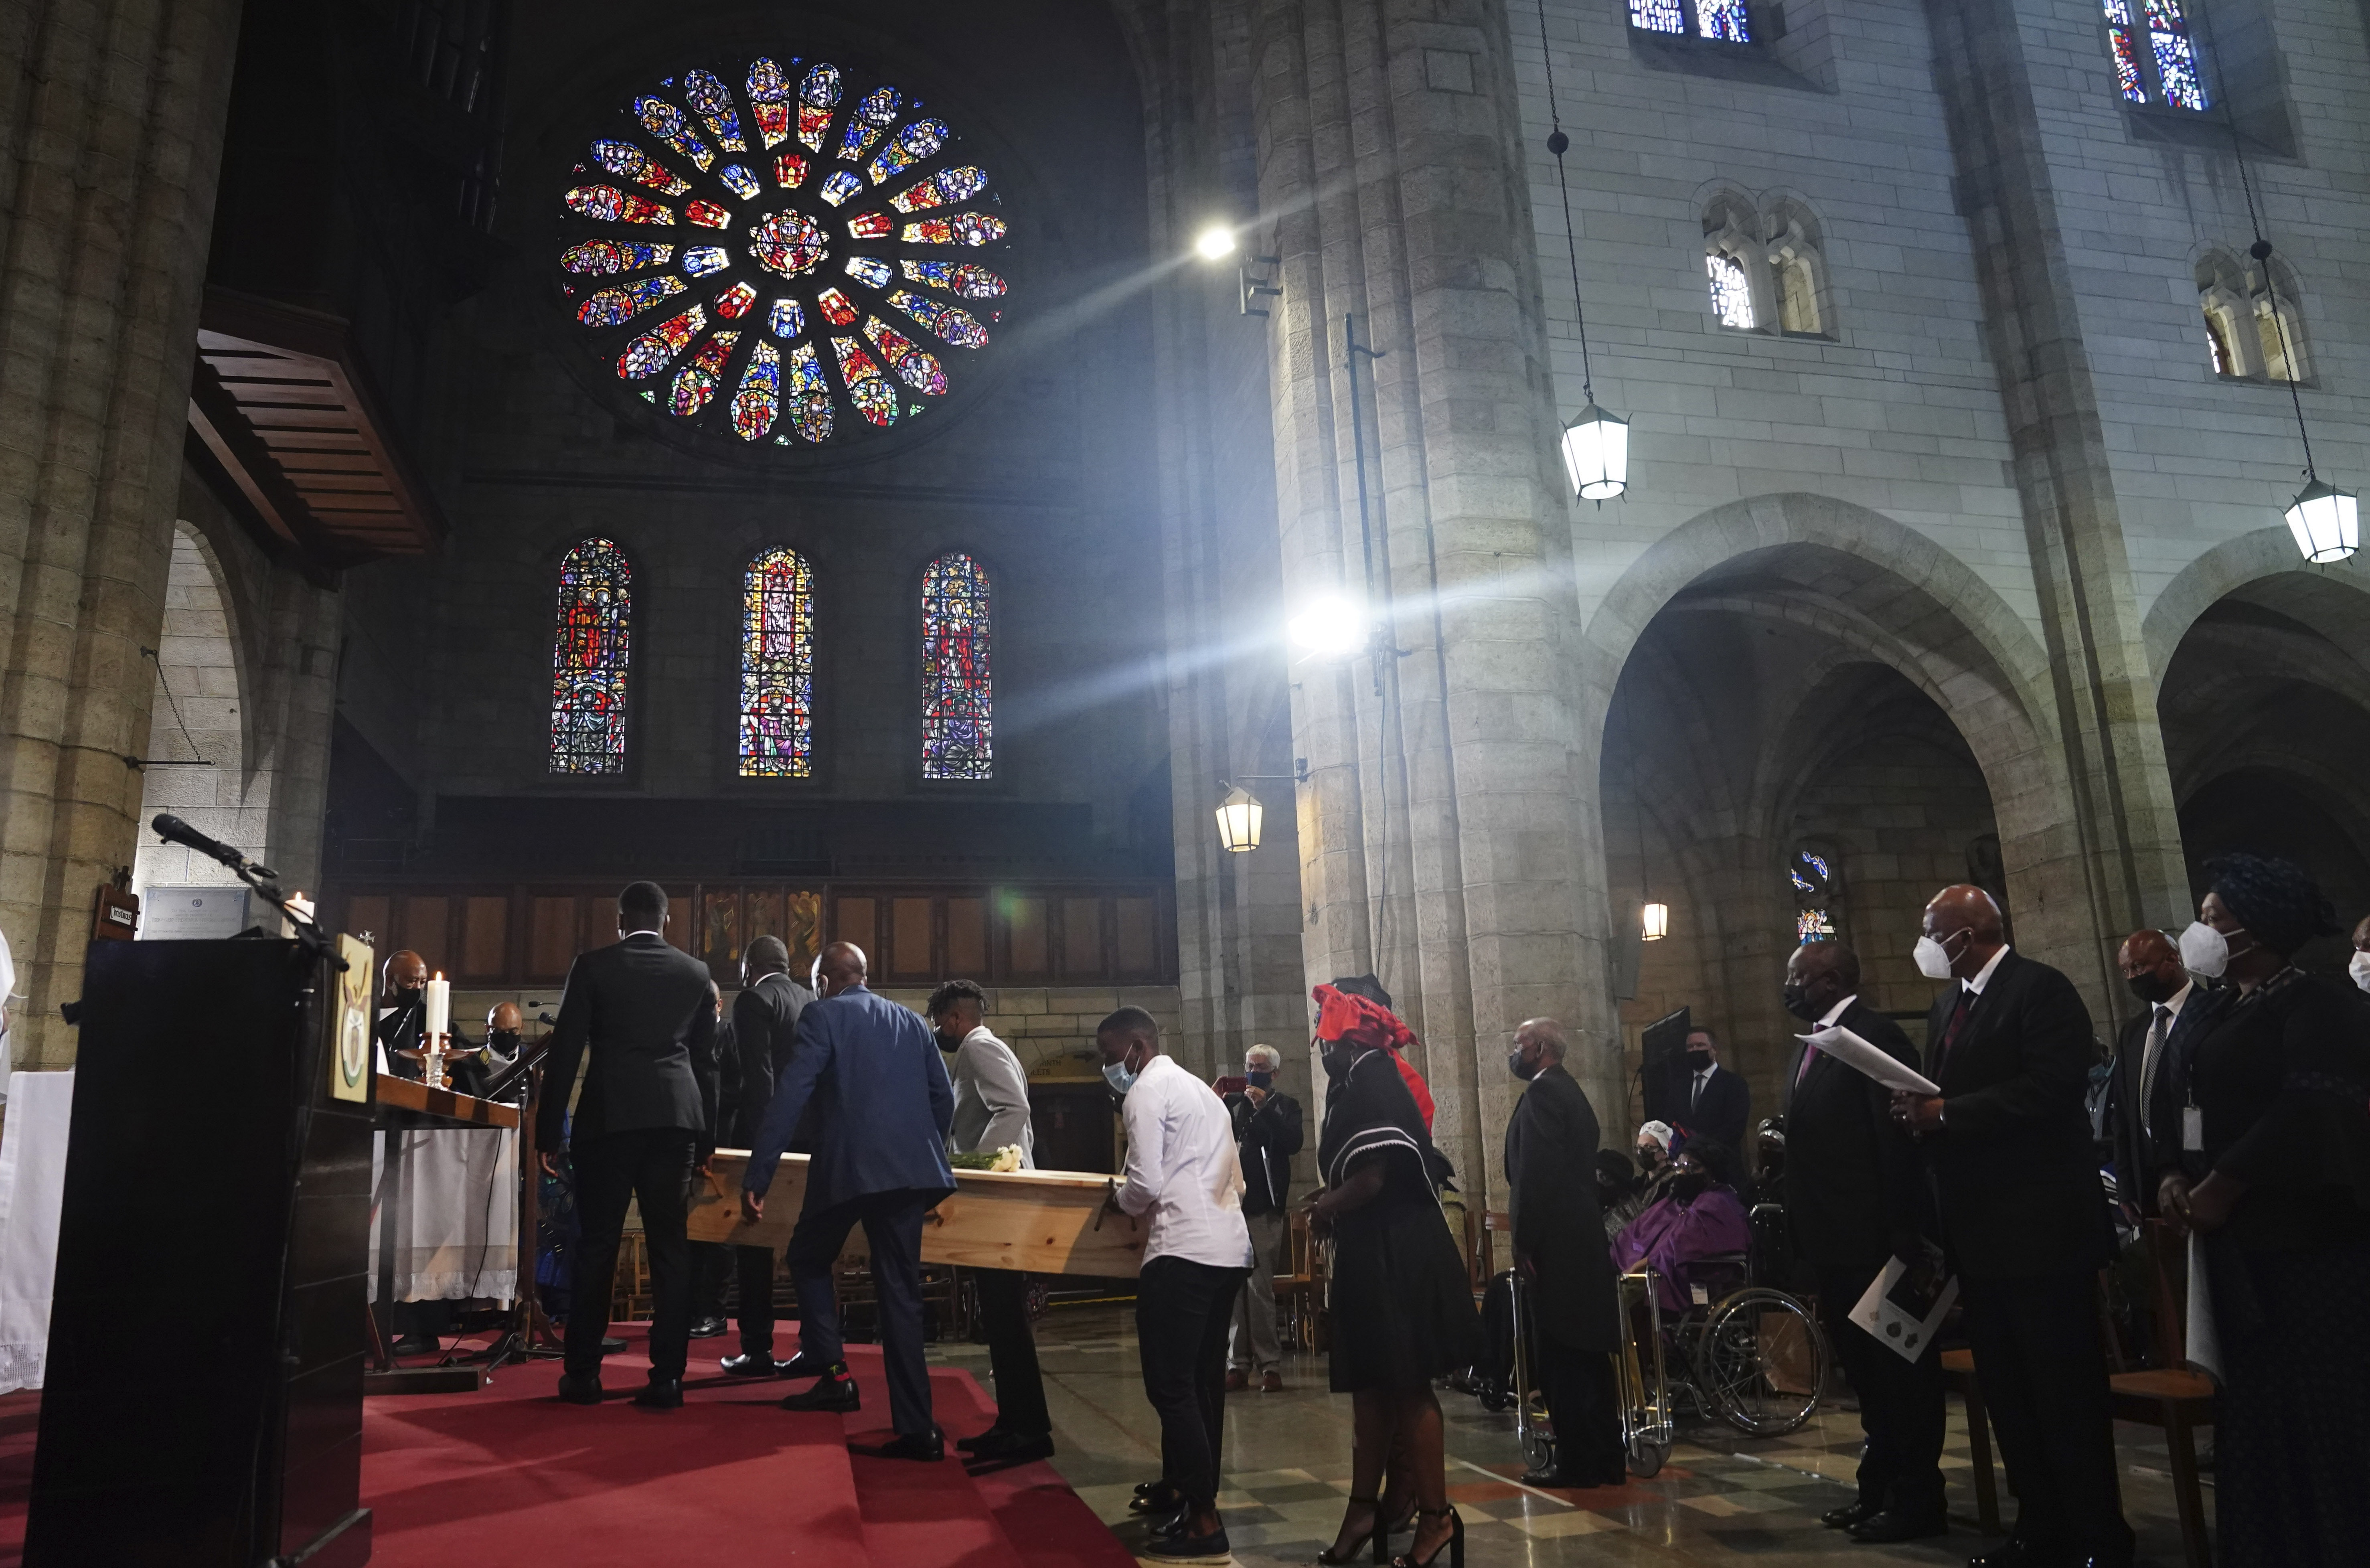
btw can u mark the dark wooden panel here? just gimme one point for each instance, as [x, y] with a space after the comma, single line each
[909, 939]
[1136, 926]
[371, 913]
[1025, 950]
[683, 917]
[1081, 939]
[966, 938]
[485, 937]
[720, 934]
[551, 936]
[854, 920]
[427, 931]
[596, 922]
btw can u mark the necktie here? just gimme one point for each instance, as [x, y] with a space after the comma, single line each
[1810, 1055]
[2158, 1032]
[1950, 1030]
[1697, 1098]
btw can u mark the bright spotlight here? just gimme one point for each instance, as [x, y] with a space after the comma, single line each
[1218, 242]
[1330, 627]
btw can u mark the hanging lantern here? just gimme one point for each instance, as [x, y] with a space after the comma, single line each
[1238, 821]
[1596, 454]
[2324, 521]
[1654, 923]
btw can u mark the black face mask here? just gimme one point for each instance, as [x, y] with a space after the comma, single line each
[1689, 1187]
[506, 1040]
[2151, 988]
[1698, 1060]
[1336, 1060]
[1515, 1065]
[1796, 1001]
[1257, 1079]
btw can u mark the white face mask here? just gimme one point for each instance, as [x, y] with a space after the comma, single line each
[1933, 959]
[2204, 952]
[2359, 967]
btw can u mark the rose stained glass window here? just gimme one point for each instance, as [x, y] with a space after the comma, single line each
[777, 667]
[737, 251]
[958, 693]
[590, 645]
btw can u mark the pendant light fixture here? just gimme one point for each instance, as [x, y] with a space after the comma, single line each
[1596, 444]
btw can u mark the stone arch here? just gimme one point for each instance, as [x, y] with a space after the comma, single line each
[203, 765]
[2334, 600]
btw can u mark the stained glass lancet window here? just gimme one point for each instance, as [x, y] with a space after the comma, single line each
[777, 667]
[958, 690]
[589, 657]
[2154, 59]
[1724, 21]
[1732, 291]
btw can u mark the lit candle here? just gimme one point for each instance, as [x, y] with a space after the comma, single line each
[439, 1007]
[300, 903]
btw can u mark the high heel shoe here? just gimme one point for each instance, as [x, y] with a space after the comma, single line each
[1374, 1538]
[1453, 1545]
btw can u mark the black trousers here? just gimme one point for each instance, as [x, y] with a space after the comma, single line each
[1183, 1310]
[1900, 1404]
[2044, 1381]
[892, 1228]
[710, 1262]
[1582, 1402]
[1012, 1351]
[653, 1165]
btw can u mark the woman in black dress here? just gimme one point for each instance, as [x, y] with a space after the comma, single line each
[2280, 1084]
[1402, 1311]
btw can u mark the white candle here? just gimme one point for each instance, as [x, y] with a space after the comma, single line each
[439, 1007]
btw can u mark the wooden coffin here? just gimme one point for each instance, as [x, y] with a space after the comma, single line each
[1036, 1221]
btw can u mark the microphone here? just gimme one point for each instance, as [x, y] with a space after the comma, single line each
[173, 830]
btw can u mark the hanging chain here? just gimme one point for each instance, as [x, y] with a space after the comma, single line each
[1558, 144]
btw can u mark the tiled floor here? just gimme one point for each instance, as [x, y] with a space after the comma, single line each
[1722, 1496]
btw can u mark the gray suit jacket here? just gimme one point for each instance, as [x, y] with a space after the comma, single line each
[991, 1099]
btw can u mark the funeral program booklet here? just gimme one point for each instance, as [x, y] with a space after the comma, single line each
[1904, 1307]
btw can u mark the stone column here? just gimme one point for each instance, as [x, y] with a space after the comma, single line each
[110, 133]
[1390, 166]
[2119, 863]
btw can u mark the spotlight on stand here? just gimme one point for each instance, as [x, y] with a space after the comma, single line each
[1330, 627]
[1654, 922]
[1238, 821]
[1215, 244]
[1596, 455]
[2325, 522]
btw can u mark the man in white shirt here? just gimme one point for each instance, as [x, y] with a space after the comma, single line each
[1183, 1174]
[992, 1114]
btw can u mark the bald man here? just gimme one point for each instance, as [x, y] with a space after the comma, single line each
[2025, 1222]
[2151, 1071]
[402, 1011]
[883, 1105]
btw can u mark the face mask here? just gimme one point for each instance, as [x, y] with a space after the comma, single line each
[2150, 988]
[1514, 1064]
[1649, 1155]
[1335, 1059]
[1698, 1060]
[504, 1039]
[2204, 952]
[1796, 1001]
[2359, 967]
[1933, 959]
[1117, 1075]
[1257, 1079]
[1690, 1186]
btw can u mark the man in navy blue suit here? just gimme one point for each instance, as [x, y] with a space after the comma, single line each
[884, 1105]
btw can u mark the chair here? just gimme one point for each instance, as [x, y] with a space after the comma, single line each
[1300, 1292]
[2168, 1396]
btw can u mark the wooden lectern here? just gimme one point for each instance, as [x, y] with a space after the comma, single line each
[204, 1396]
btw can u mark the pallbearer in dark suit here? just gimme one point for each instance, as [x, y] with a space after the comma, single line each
[884, 1104]
[2026, 1224]
[765, 1036]
[1852, 1188]
[643, 1013]
[1560, 1245]
[402, 1012]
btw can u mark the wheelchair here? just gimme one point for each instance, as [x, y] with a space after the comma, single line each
[1745, 1352]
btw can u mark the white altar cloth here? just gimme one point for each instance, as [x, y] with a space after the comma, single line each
[33, 1187]
[456, 1191]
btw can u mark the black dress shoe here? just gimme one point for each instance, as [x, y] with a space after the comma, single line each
[1010, 1448]
[415, 1344]
[994, 1434]
[927, 1446]
[801, 1365]
[1173, 1522]
[747, 1366]
[1888, 1527]
[706, 1328]
[1211, 1547]
[1153, 1497]
[2009, 1553]
[584, 1391]
[661, 1393]
[612, 1345]
[1847, 1516]
[836, 1391]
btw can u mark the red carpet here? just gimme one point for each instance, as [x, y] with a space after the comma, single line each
[510, 1474]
